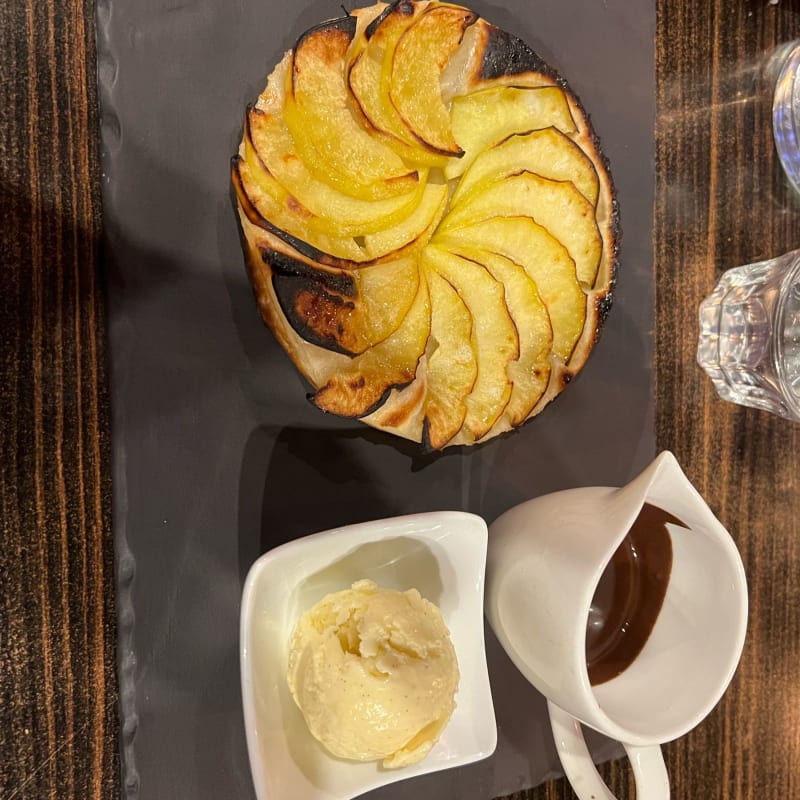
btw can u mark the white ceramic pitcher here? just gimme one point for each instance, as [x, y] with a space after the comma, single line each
[545, 560]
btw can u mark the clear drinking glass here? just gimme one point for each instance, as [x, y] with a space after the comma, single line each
[750, 335]
[786, 114]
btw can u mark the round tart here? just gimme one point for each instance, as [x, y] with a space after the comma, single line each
[430, 226]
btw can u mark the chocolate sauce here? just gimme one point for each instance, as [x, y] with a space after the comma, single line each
[630, 594]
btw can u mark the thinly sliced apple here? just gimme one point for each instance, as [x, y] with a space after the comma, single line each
[494, 337]
[556, 205]
[362, 388]
[415, 230]
[368, 75]
[546, 152]
[365, 65]
[452, 368]
[531, 371]
[346, 312]
[328, 136]
[287, 218]
[336, 214]
[420, 56]
[402, 413]
[367, 18]
[486, 117]
[545, 260]
[291, 221]
[253, 220]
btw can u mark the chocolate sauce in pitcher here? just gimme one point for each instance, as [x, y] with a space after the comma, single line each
[629, 596]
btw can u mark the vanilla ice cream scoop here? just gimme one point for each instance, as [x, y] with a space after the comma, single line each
[375, 673]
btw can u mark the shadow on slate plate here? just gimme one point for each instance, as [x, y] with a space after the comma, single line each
[312, 480]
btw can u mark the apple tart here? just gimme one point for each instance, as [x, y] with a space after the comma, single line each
[429, 223]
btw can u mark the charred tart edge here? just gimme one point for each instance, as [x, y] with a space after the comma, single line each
[314, 363]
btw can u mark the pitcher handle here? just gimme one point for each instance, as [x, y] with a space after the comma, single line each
[649, 770]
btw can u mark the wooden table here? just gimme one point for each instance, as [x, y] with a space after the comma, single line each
[721, 201]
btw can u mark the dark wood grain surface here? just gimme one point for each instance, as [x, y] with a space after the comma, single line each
[57, 655]
[721, 201]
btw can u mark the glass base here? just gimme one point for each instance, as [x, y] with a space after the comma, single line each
[749, 342]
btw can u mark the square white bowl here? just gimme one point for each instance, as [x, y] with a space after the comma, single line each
[443, 555]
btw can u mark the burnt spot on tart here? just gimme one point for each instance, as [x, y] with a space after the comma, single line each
[504, 55]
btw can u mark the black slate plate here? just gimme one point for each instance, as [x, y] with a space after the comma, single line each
[217, 456]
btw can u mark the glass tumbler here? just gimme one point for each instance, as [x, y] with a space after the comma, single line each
[786, 114]
[749, 341]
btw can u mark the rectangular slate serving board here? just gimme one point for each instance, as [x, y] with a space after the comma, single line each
[218, 457]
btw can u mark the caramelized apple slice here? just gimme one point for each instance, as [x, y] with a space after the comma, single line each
[367, 18]
[420, 56]
[347, 312]
[288, 214]
[547, 152]
[336, 214]
[415, 230]
[557, 206]
[452, 368]
[531, 371]
[288, 222]
[494, 337]
[545, 260]
[488, 116]
[282, 215]
[368, 76]
[365, 66]
[328, 136]
[359, 390]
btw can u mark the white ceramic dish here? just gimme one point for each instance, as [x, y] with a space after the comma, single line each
[443, 554]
